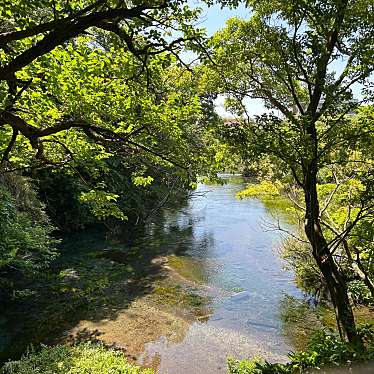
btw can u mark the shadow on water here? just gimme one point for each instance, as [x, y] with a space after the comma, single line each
[93, 279]
[299, 321]
[209, 259]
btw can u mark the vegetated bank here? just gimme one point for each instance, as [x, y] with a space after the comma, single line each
[323, 348]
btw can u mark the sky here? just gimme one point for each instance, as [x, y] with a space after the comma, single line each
[213, 19]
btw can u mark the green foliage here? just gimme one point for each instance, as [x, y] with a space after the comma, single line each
[325, 348]
[264, 188]
[103, 204]
[26, 242]
[244, 366]
[314, 130]
[308, 277]
[60, 191]
[300, 260]
[142, 181]
[360, 293]
[102, 101]
[92, 87]
[119, 199]
[84, 358]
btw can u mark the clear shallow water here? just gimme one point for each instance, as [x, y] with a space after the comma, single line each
[237, 259]
[220, 243]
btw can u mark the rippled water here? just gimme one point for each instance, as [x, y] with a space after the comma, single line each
[236, 257]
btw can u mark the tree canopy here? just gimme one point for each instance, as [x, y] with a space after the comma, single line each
[303, 59]
[97, 107]
[96, 67]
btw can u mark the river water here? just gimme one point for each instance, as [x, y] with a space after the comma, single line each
[200, 283]
[236, 257]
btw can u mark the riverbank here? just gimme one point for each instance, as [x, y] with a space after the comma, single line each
[106, 301]
[202, 283]
[164, 317]
[97, 281]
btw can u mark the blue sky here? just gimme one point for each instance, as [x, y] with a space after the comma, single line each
[213, 19]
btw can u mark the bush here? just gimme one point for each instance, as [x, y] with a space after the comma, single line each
[324, 349]
[85, 358]
[264, 188]
[26, 242]
[308, 277]
[360, 293]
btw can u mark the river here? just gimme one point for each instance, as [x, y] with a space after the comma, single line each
[236, 258]
[202, 282]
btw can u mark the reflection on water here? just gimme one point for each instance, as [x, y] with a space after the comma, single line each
[228, 252]
[201, 283]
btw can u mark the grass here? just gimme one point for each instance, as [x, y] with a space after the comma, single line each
[85, 358]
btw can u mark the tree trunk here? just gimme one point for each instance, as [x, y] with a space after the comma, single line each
[335, 282]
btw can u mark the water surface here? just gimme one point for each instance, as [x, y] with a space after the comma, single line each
[199, 283]
[236, 259]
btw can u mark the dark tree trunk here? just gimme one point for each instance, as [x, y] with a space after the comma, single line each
[335, 282]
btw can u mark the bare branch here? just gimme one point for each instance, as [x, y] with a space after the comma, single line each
[277, 227]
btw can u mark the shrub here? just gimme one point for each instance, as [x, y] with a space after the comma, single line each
[264, 188]
[87, 358]
[360, 293]
[26, 242]
[324, 349]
